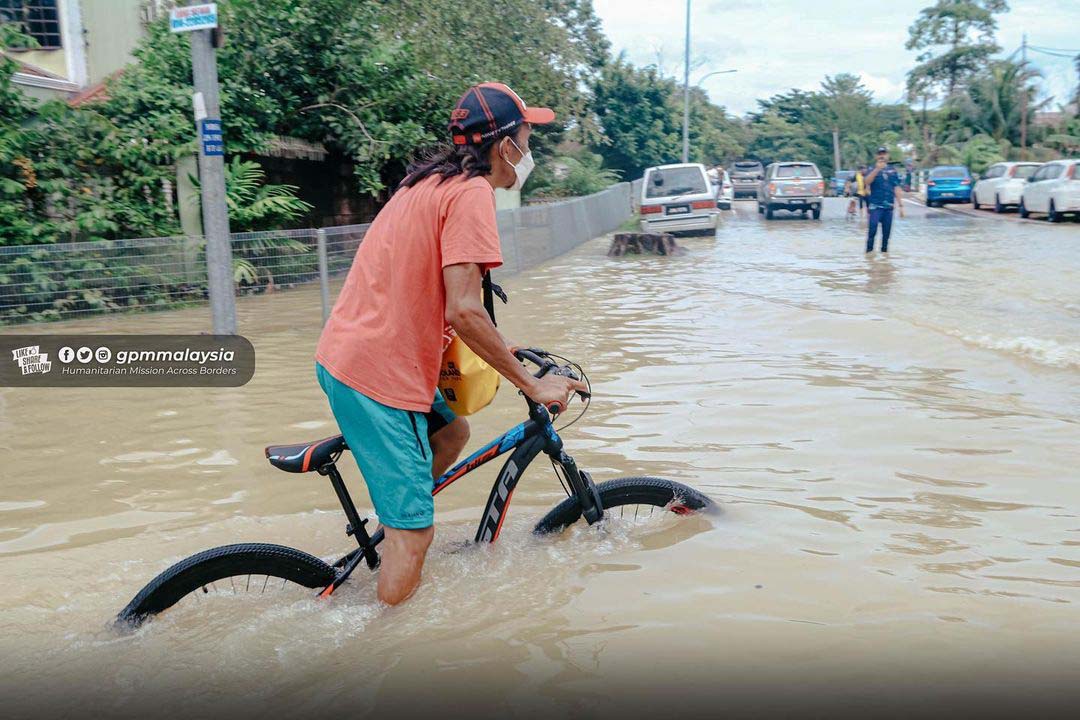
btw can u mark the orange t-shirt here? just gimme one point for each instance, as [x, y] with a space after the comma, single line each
[384, 336]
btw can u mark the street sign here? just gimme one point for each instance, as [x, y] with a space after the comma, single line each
[193, 17]
[213, 141]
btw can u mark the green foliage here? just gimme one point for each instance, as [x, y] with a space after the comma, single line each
[361, 77]
[993, 104]
[571, 175]
[639, 113]
[633, 108]
[798, 125]
[961, 32]
[253, 204]
[263, 261]
[978, 153]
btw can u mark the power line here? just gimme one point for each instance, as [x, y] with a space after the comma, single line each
[1064, 50]
[1047, 52]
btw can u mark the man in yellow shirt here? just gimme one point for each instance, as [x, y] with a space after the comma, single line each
[860, 190]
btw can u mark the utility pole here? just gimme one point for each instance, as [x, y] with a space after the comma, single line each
[1023, 98]
[836, 150]
[201, 22]
[686, 92]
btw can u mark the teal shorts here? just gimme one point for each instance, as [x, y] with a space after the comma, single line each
[392, 450]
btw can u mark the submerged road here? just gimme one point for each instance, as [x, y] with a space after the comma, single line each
[894, 442]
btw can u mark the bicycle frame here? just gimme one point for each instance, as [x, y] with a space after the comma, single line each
[524, 442]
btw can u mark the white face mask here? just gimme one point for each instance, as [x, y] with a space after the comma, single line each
[522, 169]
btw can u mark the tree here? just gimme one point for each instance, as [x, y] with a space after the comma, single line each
[994, 103]
[776, 138]
[977, 154]
[633, 109]
[715, 137]
[798, 124]
[362, 77]
[966, 30]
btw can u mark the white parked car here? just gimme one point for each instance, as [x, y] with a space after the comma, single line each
[1001, 185]
[1053, 189]
[676, 198]
[725, 191]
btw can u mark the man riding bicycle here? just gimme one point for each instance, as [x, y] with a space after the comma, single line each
[418, 269]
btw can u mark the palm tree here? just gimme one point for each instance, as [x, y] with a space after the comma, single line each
[994, 103]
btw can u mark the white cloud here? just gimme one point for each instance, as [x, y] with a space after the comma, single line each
[784, 44]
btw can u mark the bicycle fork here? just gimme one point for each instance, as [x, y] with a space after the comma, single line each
[583, 487]
[581, 483]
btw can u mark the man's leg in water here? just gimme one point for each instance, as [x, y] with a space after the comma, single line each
[447, 444]
[402, 562]
[886, 229]
[405, 550]
[392, 451]
[871, 231]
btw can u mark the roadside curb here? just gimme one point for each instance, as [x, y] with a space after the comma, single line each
[973, 213]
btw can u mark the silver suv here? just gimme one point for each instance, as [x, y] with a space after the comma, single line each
[793, 186]
[745, 176]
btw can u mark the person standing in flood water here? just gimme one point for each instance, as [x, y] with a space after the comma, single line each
[883, 184]
[418, 270]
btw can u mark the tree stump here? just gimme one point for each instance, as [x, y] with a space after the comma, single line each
[644, 243]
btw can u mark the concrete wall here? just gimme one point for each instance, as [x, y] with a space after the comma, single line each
[530, 235]
[113, 29]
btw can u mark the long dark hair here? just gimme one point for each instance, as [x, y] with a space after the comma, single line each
[450, 161]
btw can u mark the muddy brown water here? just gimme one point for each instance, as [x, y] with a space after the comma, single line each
[894, 442]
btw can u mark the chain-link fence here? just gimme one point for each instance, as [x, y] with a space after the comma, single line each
[66, 281]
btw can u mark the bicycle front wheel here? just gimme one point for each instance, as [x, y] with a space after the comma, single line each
[630, 494]
[250, 568]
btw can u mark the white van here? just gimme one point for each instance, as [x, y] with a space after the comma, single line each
[676, 198]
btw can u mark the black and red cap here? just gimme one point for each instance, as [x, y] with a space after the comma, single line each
[492, 110]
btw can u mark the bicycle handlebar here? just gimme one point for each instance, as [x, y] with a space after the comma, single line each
[541, 359]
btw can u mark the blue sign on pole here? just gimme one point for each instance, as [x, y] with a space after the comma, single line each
[213, 141]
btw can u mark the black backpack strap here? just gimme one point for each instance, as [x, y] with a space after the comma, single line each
[490, 291]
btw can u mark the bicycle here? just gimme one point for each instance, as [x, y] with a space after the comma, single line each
[199, 573]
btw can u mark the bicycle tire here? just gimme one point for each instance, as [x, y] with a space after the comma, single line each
[199, 570]
[657, 492]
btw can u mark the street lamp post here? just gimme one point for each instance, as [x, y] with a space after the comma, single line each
[686, 90]
[686, 112]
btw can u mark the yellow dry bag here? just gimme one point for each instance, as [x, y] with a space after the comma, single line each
[467, 383]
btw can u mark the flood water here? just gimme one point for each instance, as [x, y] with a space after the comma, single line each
[894, 442]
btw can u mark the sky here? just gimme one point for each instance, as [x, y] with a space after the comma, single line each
[777, 45]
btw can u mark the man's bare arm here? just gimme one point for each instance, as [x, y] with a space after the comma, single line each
[466, 314]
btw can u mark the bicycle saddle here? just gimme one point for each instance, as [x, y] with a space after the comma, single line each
[305, 456]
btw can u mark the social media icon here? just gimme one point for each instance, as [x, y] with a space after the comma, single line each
[66, 355]
[84, 355]
[103, 354]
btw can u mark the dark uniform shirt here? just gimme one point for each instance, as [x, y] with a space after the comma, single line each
[883, 189]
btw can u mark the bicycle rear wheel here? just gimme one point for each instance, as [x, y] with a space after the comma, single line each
[651, 492]
[249, 567]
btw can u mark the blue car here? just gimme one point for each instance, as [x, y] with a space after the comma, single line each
[839, 179]
[948, 184]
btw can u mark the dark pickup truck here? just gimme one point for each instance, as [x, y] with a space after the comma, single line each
[745, 177]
